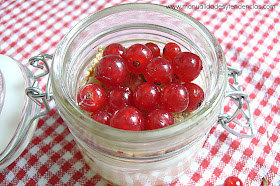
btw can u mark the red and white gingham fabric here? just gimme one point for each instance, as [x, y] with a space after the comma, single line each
[250, 39]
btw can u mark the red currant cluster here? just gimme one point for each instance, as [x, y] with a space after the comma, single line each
[140, 88]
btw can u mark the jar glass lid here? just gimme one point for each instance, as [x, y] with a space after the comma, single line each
[15, 110]
[12, 99]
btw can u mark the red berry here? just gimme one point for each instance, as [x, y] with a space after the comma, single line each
[186, 66]
[115, 49]
[175, 97]
[154, 48]
[128, 118]
[111, 70]
[91, 97]
[158, 118]
[196, 96]
[119, 97]
[102, 116]
[159, 71]
[170, 50]
[233, 181]
[138, 56]
[146, 96]
[133, 80]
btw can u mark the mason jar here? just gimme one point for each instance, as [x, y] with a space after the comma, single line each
[153, 157]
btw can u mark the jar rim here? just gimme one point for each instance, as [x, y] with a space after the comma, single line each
[135, 136]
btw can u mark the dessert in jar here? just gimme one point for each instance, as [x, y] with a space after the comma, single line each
[138, 157]
[145, 157]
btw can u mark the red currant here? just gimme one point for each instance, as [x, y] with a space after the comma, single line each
[170, 50]
[102, 116]
[138, 56]
[111, 70]
[128, 118]
[154, 48]
[159, 71]
[233, 181]
[186, 66]
[91, 97]
[175, 97]
[133, 80]
[146, 96]
[158, 118]
[196, 96]
[119, 97]
[115, 49]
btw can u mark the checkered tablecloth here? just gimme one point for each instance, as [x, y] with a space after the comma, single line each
[250, 39]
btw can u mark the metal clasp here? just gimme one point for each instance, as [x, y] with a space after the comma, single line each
[239, 97]
[33, 92]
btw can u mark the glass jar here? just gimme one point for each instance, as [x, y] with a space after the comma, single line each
[153, 157]
[134, 158]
